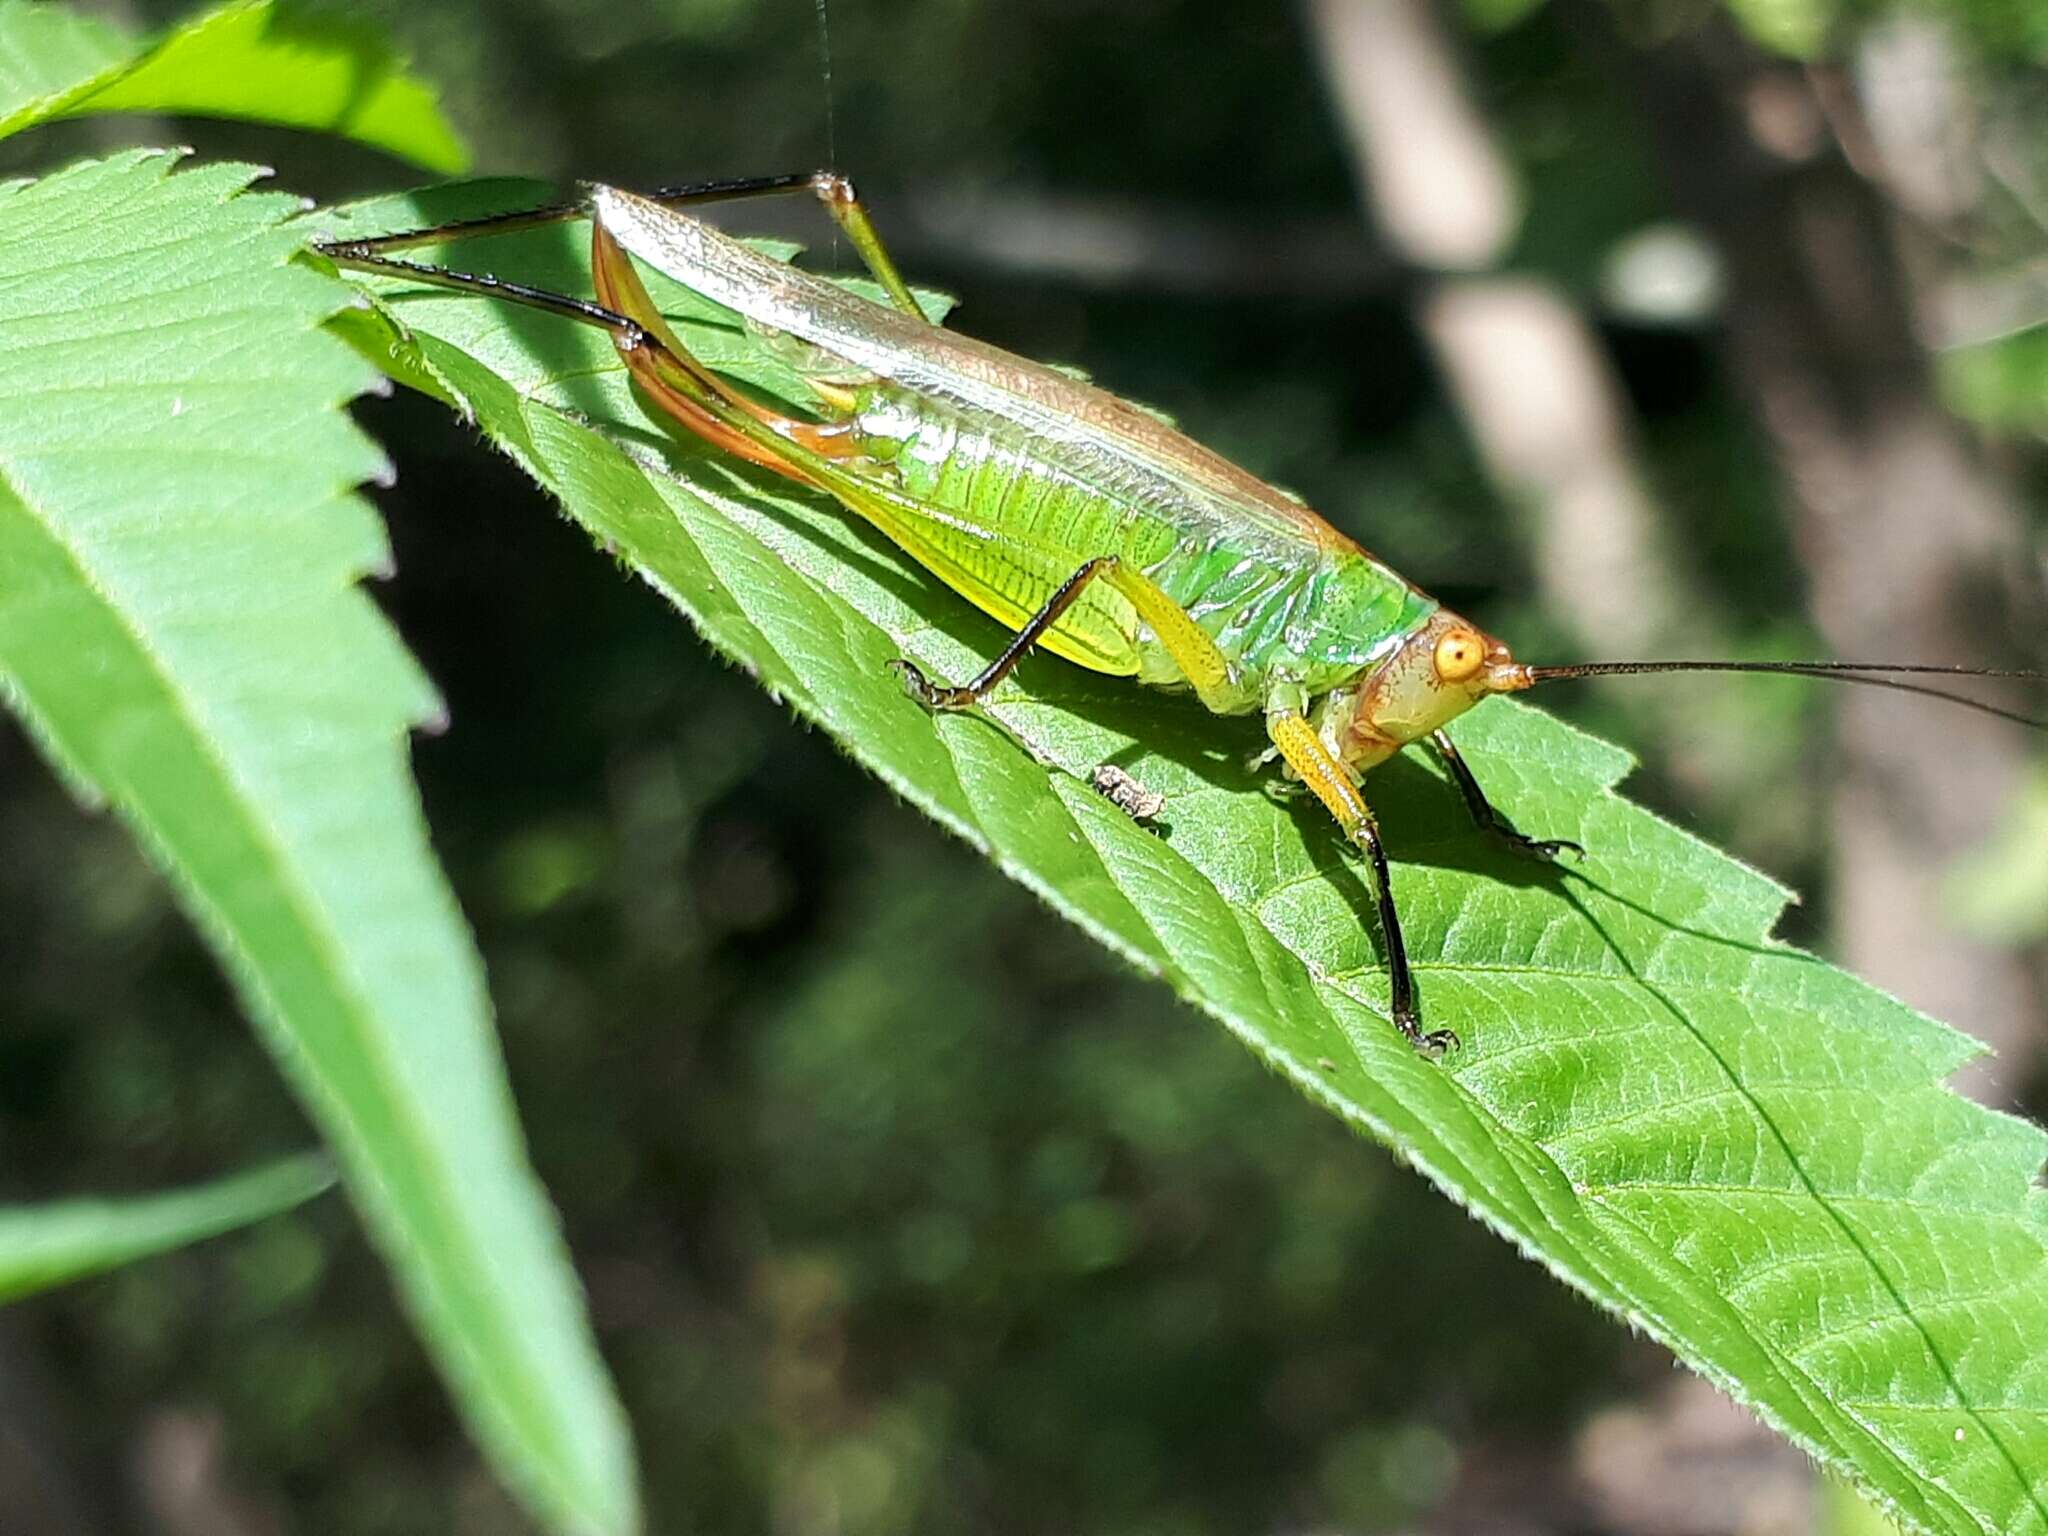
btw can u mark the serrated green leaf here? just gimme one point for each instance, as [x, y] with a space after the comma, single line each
[1724, 1141]
[46, 1245]
[262, 60]
[181, 629]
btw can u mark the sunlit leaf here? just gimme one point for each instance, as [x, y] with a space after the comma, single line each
[1722, 1140]
[46, 1245]
[262, 60]
[181, 629]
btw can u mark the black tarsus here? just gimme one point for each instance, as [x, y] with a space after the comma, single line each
[942, 696]
[1490, 821]
[1400, 978]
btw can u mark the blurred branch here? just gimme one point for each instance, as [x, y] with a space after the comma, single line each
[1543, 405]
[1124, 244]
[1914, 546]
[1984, 307]
[1916, 143]
[1427, 161]
[180, 1470]
[1537, 391]
[1685, 1461]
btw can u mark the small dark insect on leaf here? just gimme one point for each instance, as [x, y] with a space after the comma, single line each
[1127, 794]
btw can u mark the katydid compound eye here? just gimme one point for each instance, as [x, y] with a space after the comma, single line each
[1459, 655]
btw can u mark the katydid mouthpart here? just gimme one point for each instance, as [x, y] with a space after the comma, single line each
[1076, 520]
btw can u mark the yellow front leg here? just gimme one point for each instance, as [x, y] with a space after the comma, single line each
[1334, 785]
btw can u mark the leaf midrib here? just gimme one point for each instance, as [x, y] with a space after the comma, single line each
[317, 923]
[1577, 1239]
[1963, 1405]
[1253, 912]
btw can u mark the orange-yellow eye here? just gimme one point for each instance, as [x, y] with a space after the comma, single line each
[1459, 656]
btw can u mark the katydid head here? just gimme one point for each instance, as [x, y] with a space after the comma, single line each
[1438, 673]
[1450, 664]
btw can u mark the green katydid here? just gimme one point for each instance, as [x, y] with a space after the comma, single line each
[1078, 521]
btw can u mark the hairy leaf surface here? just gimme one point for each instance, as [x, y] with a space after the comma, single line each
[181, 629]
[1719, 1138]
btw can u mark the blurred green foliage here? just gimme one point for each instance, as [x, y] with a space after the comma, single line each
[2001, 383]
[2002, 890]
[1083, 1268]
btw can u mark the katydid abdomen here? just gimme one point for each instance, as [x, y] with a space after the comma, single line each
[1284, 603]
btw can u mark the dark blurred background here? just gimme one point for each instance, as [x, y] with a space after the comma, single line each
[1628, 329]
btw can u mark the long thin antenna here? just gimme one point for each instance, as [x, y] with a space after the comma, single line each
[831, 110]
[1867, 674]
